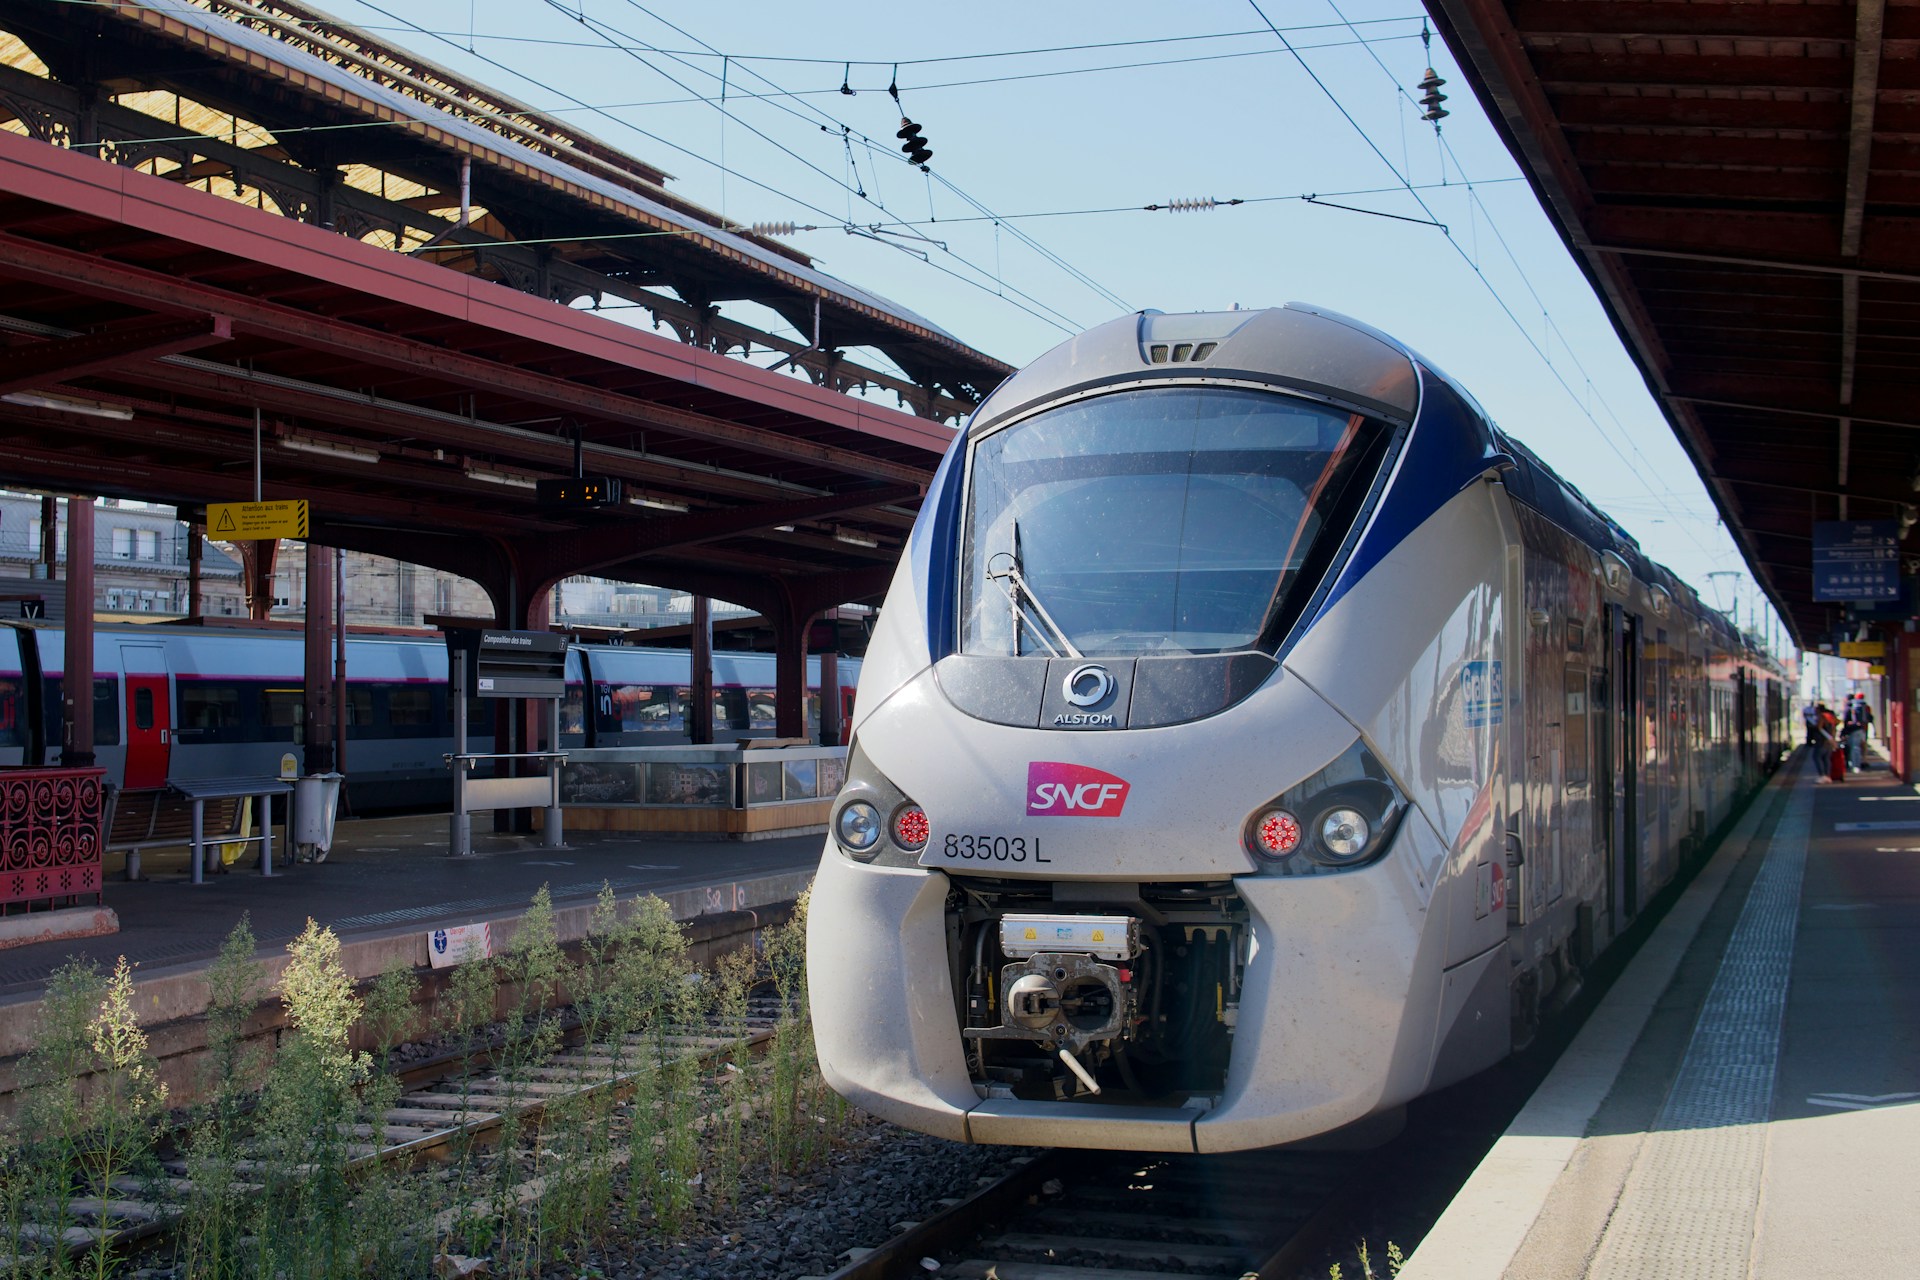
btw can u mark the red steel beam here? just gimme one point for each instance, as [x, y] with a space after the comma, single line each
[151, 290]
[41, 364]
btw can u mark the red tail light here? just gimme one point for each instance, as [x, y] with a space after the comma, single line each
[911, 828]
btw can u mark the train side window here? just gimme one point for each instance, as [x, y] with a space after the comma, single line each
[360, 719]
[409, 707]
[281, 710]
[106, 709]
[12, 711]
[210, 711]
[730, 710]
[761, 709]
[143, 708]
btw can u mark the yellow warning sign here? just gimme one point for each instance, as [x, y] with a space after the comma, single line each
[1032, 936]
[1099, 935]
[246, 521]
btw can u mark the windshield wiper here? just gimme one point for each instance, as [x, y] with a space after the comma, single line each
[1032, 614]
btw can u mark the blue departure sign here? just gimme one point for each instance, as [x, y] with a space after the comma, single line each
[1856, 560]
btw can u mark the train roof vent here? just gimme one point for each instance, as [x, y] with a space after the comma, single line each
[1180, 352]
[1187, 339]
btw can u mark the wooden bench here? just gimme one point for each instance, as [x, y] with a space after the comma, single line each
[196, 812]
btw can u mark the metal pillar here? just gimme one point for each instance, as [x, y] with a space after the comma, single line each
[554, 835]
[460, 825]
[316, 720]
[340, 663]
[49, 536]
[76, 685]
[195, 538]
[830, 730]
[789, 676]
[700, 712]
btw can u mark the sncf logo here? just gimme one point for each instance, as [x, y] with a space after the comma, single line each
[1056, 790]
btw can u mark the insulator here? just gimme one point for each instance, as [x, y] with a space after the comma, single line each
[1192, 206]
[771, 229]
[1435, 114]
[1429, 81]
[912, 144]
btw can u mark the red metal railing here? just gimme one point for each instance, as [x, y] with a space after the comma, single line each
[49, 835]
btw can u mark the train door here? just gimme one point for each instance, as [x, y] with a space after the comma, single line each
[1623, 757]
[149, 715]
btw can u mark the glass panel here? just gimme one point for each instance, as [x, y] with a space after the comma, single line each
[410, 705]
[1576, 730]
[801, 778]
[143, 708]
[763, 782]
[761, 714]
[689, 784]
[212, 711]
[639, 708]
[1175, 520]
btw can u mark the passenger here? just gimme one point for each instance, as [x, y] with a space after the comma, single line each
[1828, 748]
[1859, 720]
[1810, 717]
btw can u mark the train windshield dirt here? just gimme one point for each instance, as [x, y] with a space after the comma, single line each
[1175, 520]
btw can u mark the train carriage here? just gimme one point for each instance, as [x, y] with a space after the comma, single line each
[1254, 738]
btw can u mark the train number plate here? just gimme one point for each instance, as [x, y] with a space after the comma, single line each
[971, 846]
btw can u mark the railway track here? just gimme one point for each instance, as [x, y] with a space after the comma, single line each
[1128, 1216]
[453, 1101]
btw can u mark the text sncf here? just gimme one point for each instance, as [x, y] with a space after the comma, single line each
[1056, 790]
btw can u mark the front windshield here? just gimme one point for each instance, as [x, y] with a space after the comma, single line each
[1173, 520]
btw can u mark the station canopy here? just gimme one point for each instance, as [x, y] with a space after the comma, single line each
[1739, 183]
[217, 219]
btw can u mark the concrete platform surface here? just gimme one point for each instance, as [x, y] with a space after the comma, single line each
[389, 874]
[1745, 1103]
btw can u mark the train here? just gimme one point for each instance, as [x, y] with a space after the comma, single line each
[175, 703]
[1254, 738]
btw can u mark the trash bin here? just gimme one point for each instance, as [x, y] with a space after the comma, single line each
[316, 798]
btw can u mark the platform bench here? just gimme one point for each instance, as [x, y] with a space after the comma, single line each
[198, 813]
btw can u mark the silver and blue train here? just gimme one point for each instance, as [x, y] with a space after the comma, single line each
[1254, 739]
[176, 703]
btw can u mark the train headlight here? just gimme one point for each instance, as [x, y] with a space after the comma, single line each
[868, 807]
[858, 828]
[1342, 817]
[1345, 833]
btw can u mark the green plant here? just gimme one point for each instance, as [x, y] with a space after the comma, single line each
[125, 1106]
[39, 1198]
[465, 1012]
[305, 1226]
[214, 1221]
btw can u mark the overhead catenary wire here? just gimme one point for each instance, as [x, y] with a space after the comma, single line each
[1017, 302]
[1074, 272]
[1605, 436]
[1447, 152]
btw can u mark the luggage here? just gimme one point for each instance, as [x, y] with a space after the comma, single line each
[1837, 765]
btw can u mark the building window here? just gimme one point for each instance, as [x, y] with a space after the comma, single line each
[123, 544]
[146, 544]
[282, 591]
[113, 600]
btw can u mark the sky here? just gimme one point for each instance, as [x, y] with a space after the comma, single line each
[1052, 126]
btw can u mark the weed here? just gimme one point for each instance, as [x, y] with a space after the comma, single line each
[40, 1193]
[125, 1105]
[211, 1231]
[306, 1225]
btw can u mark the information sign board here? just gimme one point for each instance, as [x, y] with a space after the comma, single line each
[1856, 560]
[247, 521]
[1863, 648]
[511, 664]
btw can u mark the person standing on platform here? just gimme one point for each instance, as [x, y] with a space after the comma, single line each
[1810, 717]
[1827, 749]
[1859, 720]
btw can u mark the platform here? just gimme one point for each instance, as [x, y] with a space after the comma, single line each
[390, 874]
[1745, 1102]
